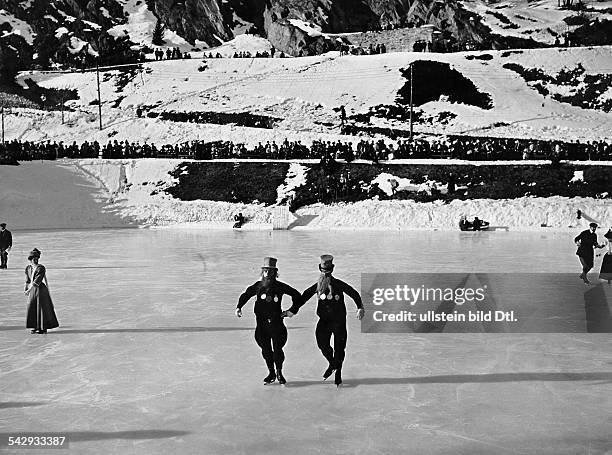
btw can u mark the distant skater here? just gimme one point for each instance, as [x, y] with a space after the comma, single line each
[587, 242]
[332, 315]
[606, 265]
[41, 314]
[270, 331]
[6, 243]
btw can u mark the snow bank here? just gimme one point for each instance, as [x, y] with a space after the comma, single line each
[104, 193]
[525, 214]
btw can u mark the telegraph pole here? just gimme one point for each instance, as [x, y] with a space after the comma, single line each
[99, 97]
[411, 89]
[2, 109]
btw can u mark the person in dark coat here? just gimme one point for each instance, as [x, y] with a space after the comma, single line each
[332, 315]
[41, 314]
[239, 220]
[587, 242]
[6, 243]
[270, 331]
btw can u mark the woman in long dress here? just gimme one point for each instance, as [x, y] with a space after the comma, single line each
[606, 265]
[41, 314]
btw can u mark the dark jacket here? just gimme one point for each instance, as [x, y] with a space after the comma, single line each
[6, 239]
[268, 303]
[330, 307]
[588, 241]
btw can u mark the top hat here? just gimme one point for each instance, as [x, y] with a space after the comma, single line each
[35, 253]
[593, 225]
[3, 225]
[269, 263]
[327, 263]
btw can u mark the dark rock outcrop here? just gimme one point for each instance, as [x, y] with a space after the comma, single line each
[203, 20]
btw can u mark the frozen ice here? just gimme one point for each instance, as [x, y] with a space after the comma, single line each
[150, 359]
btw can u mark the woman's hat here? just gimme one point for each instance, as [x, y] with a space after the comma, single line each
[3, 225]
[608, 234]
[269, 263]
[35, 253]
[327, 264]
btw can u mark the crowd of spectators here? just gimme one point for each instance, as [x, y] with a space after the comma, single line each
[438, 147]
[492, 148]
[372, 49]
[171, 53]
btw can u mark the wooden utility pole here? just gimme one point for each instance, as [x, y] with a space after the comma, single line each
[99, 97]
[2, 109]
[411, 88]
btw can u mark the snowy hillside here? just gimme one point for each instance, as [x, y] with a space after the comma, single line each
[303, 95]
[541, 20]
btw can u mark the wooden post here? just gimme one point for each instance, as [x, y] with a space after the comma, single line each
[411, 89]
[99, 97]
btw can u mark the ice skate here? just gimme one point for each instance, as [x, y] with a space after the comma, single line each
[327, 373]
[270, 378]
[281, 378]
[338, 378]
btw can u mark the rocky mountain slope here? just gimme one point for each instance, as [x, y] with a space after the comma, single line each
[76, 32]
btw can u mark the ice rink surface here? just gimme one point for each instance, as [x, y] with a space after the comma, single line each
[150, 359]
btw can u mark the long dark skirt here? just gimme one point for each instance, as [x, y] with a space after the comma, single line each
[606, 267]
[41, 314]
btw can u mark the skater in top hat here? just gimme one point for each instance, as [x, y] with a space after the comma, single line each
[6, 243]
[270, 331]
[332, 315]
[587, 242]
[41, 314]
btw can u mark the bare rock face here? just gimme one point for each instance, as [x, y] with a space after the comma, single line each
[293, 40]
[15, 54]
[204, 20]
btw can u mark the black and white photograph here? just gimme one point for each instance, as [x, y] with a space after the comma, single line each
[345, 227]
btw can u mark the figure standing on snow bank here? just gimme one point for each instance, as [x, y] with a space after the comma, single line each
[587, 242]
[332, 315]
[270, 331]
[606, 266]
[41, 314]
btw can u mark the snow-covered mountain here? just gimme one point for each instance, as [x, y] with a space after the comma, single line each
[41, 32]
